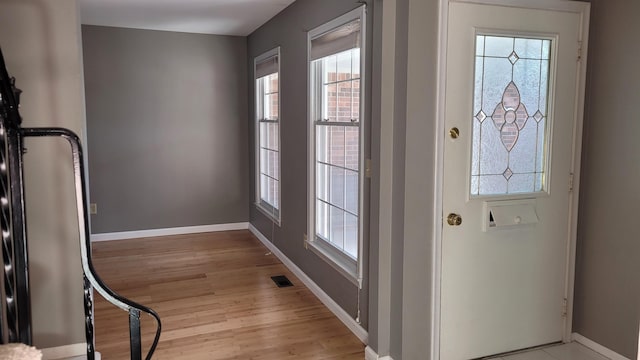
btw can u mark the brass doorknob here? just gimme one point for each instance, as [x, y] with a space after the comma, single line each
[454, 219]
[454, 132]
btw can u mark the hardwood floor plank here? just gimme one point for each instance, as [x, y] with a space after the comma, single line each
[215, 296]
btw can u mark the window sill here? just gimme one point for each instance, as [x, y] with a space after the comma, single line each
[347, 268]
[268, 211]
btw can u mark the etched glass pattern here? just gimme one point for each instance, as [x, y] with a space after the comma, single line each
[509, 115]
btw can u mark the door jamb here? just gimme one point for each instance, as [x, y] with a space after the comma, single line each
[581, 8]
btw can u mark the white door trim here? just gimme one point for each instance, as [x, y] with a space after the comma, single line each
[581, 8]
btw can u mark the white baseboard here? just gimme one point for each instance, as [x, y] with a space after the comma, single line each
[169, 231]
[342, 315]
[370, 354]
[67, 352]
[597, 347]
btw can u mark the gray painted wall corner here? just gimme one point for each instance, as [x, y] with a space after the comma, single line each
[607, 290]
[166, 123]
[419, 178]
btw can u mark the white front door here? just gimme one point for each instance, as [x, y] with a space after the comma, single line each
[510, 120]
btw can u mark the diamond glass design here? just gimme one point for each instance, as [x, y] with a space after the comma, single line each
[538, 116]
[481, 116]
[510, 116]
[507, 174]
[509, 152]
[513, 58]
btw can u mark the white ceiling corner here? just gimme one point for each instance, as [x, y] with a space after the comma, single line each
[220, 17]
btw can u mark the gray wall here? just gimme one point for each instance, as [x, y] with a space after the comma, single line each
[399, 169]
[419, 214]
[40, 40]
[289, 31]
[386, 245]
[607, 292]
[167, 129]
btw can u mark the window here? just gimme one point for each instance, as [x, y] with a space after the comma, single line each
[267, 71]
[335, 164]
[510, 118]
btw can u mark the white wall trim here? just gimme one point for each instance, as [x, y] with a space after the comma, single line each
[168, 231]
[78, 351]
[342, 315]
[597, 347]
[370, 354]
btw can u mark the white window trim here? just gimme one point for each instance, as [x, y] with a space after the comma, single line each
[350, 269]
[274, 214]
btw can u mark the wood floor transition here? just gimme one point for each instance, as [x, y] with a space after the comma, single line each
[216, 299]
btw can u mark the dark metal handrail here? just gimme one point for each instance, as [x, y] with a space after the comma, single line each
[16, 296]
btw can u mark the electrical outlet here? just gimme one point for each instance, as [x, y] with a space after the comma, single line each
[93, 209]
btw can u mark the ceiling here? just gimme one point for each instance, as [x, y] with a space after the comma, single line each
[221, 17]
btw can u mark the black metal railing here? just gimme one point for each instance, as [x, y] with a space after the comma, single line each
[15, 317]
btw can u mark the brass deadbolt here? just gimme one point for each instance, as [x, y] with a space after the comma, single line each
[454, 132]
[454, 219]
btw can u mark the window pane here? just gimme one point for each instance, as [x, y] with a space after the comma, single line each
[493, 156]
[322, 143]
[269, 163]
[526, 76]
[336, 145]
[344, 101]
[522, 183]
[477, 98]
[351, 235]
[355, 100]
[355, 53]
[509, 115]
[497, 74]
[528, 48]
[274, 136]
[329, 69]
[336, 190]
[274, 166]
[264, 162]
[344, 66]
[351, 191]
[337, 227]
[271, 106]
[492, 184]
[274, 191]
[498, 46]
[520, 159]
[352, 148]
[271, 83]
[330, 102]
[264, 188]
[322, 219]
[540, 147]
[263, 134]
[480, 45]
[322, 182]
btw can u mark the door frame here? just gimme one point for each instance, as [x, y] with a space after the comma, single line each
[580, 8]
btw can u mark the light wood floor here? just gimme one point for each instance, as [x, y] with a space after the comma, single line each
[216, 300]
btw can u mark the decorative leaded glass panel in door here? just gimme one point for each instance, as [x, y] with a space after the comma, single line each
[510, 115]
